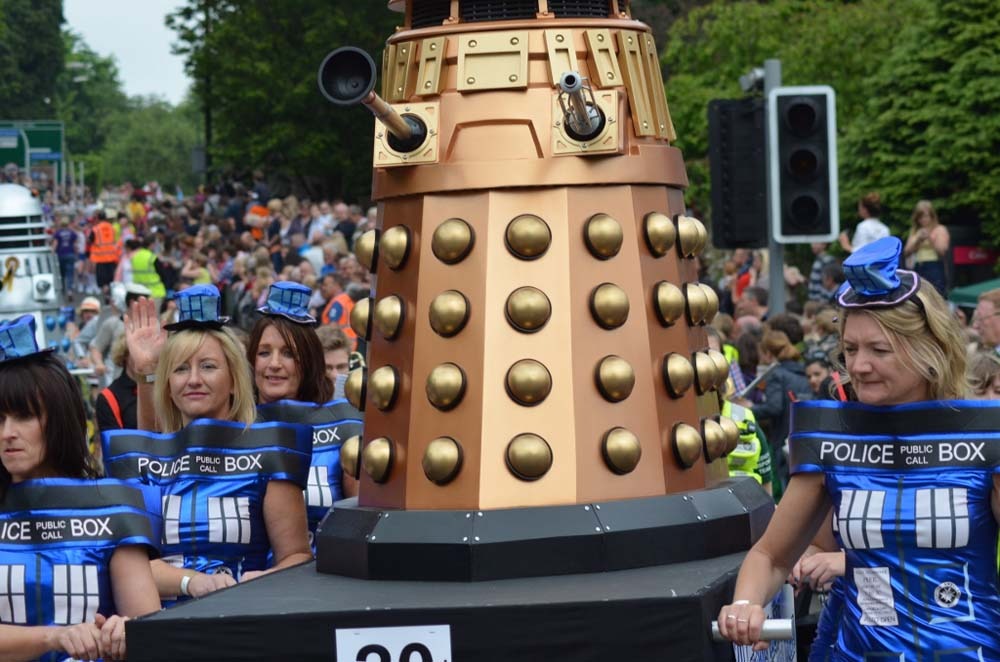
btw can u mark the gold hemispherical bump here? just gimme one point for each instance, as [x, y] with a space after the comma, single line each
[528, 382]
[603, 236]
[361, 317]
[615, 378]
[446, 386]
[449, 313]
[354, 388]
[668, 302]
[687, 236]
[609, 305]
[704, 372]
[702, 233]
[687, 444]
[365, 248]
[528, 309]
[442, 460]
[721, 367]
[349, 452]
[376, 459]
[621, 450]
[660, 233]
[678, 374]
[388, 316]
[383, 386]
[394, 246]
[528, 456]
[452, 241]
[712, 307]
[715, 439]
[732, 431]
[697, 303]
[528, 237]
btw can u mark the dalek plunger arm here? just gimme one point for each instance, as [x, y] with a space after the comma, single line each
[347, 78]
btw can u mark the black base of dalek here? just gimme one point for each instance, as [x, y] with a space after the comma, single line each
[534, 586]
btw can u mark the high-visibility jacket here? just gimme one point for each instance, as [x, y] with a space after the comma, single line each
[144, 272]
[105, 248]
[751, 457]
[344, 305]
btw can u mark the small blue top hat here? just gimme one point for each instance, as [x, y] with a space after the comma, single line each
[17, 340]
[198, 307]
[289, 300]
[874, 279]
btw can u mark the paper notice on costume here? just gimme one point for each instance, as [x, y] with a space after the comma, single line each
[875, 596]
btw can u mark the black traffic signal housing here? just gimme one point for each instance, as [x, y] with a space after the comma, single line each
[802, 155]
[738, 172]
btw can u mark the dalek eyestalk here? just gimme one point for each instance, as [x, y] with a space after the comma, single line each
[583, 119]
[347, 78]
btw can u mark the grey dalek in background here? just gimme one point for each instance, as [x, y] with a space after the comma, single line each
[29, 269]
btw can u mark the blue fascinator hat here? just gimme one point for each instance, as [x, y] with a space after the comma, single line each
[289, 300]
[198, 307]
[874, 279]
[18, 340]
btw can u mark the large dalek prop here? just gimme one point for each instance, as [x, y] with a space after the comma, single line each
[535, 333]
[542, 469]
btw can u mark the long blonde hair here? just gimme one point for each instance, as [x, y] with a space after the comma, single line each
[927, 339]
[924, 207]
[180, 347]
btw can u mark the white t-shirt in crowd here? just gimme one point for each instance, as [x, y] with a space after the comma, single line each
[868, 231]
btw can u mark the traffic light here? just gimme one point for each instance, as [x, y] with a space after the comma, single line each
[802, 150]
[737, 171]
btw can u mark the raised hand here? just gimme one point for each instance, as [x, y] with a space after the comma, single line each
[144, 335]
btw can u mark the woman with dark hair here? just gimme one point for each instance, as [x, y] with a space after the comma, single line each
[912, 474]
[74, 549]
[232, 489]
[292, 386]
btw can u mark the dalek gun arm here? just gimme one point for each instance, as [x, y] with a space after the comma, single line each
[581, 115]
[347, 78]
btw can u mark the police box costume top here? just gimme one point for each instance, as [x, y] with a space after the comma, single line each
[57, 537]
[213, 473]
[911, 488]
[332, 423]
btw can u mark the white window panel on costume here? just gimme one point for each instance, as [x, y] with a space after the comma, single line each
[76, 593]
[942, 517]
[171, 519]
[12, 606]
[229, 519]
[860, 519]
[318, 492]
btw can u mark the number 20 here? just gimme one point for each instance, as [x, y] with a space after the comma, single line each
[405, 655]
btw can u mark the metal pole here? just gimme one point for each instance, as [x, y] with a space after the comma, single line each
[776, 251]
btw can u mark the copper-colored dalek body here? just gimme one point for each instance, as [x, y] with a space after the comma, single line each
[535, 334]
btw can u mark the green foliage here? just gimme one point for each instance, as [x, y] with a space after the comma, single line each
[255, 64]
[31, 57]
[709, 49]
[152, 140]
[88, 95]
[931, 131]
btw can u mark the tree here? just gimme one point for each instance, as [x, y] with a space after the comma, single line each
[152, 141]
[707, 50]
[88, 95]
[932, 131]
[31, 57]
[254, 64]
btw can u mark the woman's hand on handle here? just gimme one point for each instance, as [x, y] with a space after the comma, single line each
[741, 623]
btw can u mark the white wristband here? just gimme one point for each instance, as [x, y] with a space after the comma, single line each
[741, 602]
[185, 580]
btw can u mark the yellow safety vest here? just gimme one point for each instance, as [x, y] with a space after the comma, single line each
[745, 457]
[144, 272]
